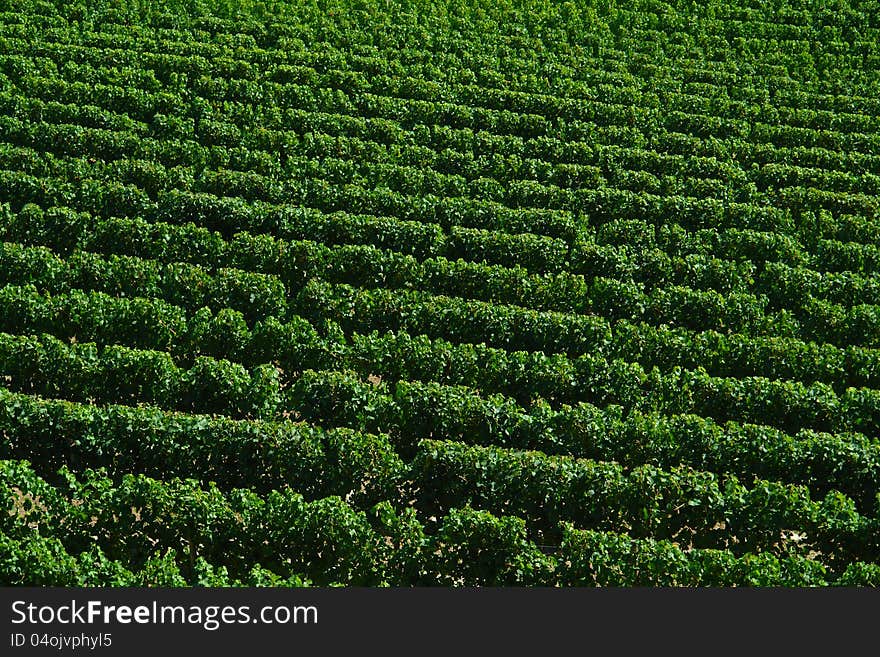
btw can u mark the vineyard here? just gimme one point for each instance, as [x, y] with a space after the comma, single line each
[357, 292]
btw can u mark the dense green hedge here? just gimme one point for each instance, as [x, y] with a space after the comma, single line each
[71, 534]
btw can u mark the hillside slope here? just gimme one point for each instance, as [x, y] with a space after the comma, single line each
[386, 293]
